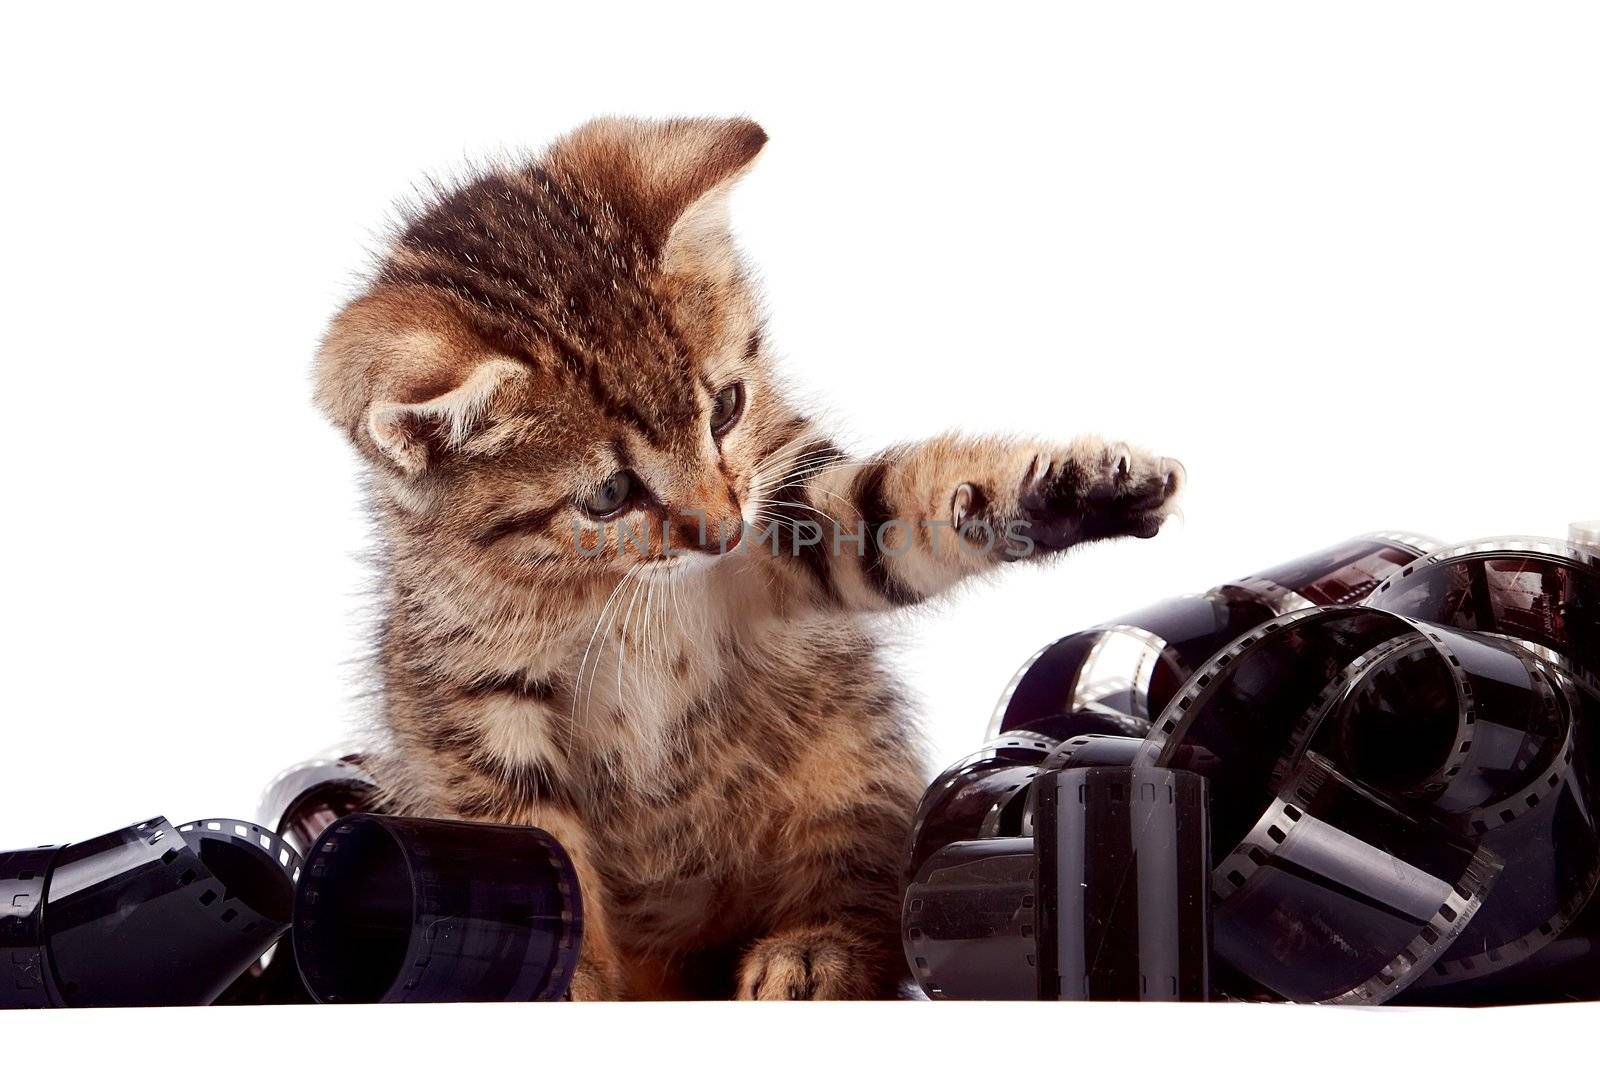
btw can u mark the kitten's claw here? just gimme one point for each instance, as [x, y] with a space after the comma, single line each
[961, 504]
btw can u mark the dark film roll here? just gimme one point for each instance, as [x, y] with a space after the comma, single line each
[1344, 574]
[146, 916]
[1457, 736]
[969, 921]
[1400, 760]
[1043, 686]
[968, 800]
[24, 969]
[1123, 894]
[1466, 723]
[396, 910]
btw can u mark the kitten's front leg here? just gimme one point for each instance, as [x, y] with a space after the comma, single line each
[826, 961]
[916, 519]
[832, 897]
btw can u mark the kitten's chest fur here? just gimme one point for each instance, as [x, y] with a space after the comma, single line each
[676, 735]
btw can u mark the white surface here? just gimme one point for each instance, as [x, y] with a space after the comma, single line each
[780, 1034]
[1341, 260]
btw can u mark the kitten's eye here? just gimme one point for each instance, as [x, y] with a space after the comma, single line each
[725, 408]
[611, 496]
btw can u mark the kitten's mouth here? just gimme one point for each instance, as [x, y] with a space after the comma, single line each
[691, 563]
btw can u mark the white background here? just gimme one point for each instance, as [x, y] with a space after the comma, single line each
[1340, 259]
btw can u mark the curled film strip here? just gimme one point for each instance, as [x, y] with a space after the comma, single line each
[1366, 895]
[1344, 574]
[1543, 595]
[1133, 665]
[299, 804]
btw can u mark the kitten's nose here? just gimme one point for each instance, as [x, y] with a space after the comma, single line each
[702, 532]
[712, 522]
[724, 533]
[731, 541]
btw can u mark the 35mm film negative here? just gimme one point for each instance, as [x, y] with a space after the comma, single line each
[1400, 751]
[1124, 901]
[1367, 896]
[1542, 592]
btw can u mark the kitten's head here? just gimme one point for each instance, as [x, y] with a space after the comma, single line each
[559, 365]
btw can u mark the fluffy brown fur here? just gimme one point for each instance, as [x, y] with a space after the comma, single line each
[701, 719]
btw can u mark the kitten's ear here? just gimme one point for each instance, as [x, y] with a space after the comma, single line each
[410, 434]
[672, 177]
[403, 378]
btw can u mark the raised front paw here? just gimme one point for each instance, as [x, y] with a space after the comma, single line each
[1093, 491]
[809, 964]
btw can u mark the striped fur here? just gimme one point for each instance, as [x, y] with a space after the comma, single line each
[709, 731]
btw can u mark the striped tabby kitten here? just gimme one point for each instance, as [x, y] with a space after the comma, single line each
[629, 587]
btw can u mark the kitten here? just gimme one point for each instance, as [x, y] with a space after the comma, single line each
[629, 587]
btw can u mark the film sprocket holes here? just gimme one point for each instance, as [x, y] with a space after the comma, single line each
[1401, 765]
[413, 910]
[1544, 593]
